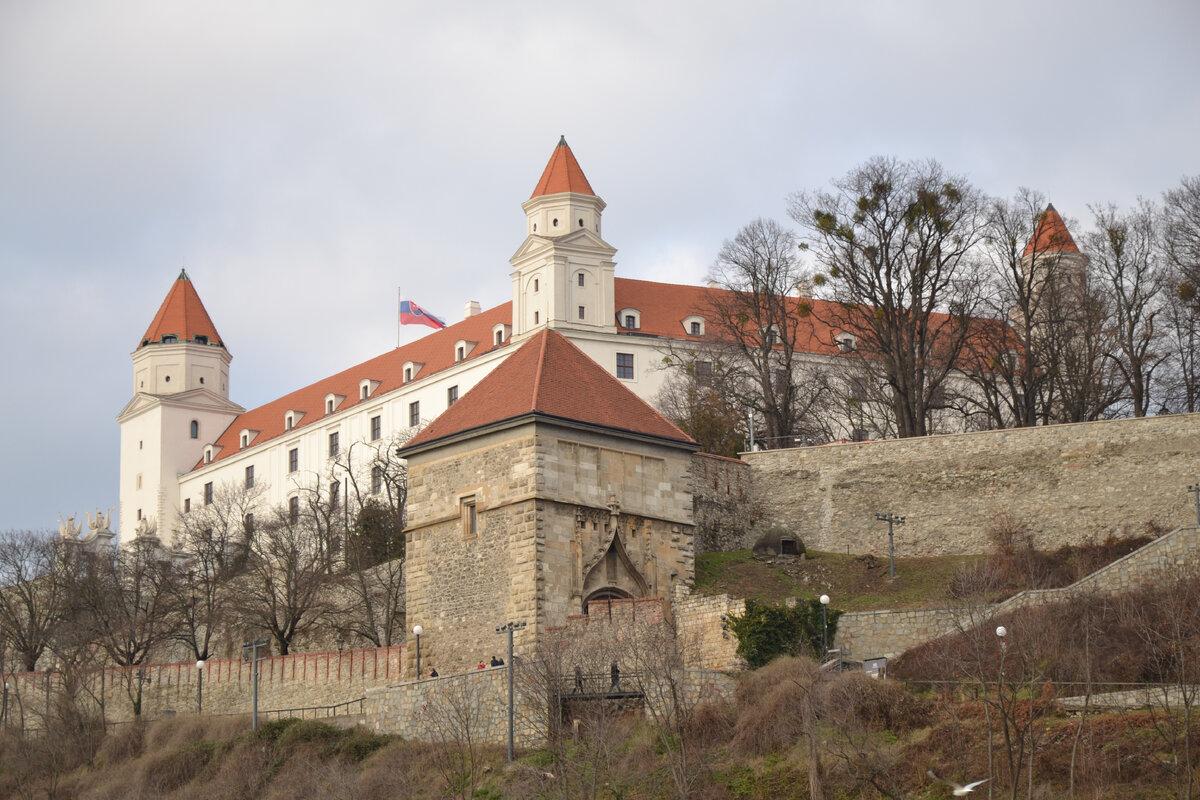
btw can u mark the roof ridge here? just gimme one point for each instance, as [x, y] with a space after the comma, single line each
[537, 376]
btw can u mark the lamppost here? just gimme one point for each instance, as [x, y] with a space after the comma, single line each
[417, 631]
[47, 717]
[250, 653]
[508, 628]
[892, 520]
[1195, 491]
[1002, 631]
[824, 626]
[4, 710]
[200, 686]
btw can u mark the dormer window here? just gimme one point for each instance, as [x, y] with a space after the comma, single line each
[201, 339]
[291, 418]
[459, 353]
[463, 348]
[770, 335]
[366, 387]
[411, 370]
[170, 338]
[208, 455]
[846, 342]
[500, 333]
[246, 437]
[332, 401]
[630, 319]
[693, 325]
[245, 440]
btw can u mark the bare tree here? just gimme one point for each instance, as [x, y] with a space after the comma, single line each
[1182, 235]
[1125, 252]
[701, 396]
[454, 715]
[33, 592]
[283, 590]
[895, 240]
[1181, 380]
[761, 324]
[213, 541]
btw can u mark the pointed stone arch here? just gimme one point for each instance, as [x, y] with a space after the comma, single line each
[611, 574]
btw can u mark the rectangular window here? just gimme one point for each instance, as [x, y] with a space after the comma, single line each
[703, 371]
[187, 504]
[335, 494]
[293, 510]
[293, 459]
[582, 315]
[470, 516]
[333, 444]
[376, 479]
[414, 413]
[376, 428]
[695, 329]
[250, 477]
[139, 480]
[208, 493]
[625, 366]
[248, 524]
[630, 321]
[451, 396]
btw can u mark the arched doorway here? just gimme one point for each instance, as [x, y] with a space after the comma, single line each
[605, 593]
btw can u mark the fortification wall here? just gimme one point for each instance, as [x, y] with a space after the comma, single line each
[304, 680]
[1067, 482]
[722, 505]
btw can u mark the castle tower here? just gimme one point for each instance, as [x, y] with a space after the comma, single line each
[180, 404]
[547, 487]
[563, 272]
[1051, 254]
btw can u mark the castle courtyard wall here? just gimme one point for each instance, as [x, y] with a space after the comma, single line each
[1066, 482]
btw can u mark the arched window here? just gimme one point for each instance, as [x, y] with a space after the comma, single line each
[195, 429]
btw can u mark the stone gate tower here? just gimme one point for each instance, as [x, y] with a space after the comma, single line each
[545, 488]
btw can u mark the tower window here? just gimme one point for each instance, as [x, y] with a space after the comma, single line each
[579, 279]
[194, 429]
[293, 459]
[535, 318]
[202, 381]
[201, 339]
[581, 222]
[376, 428]
[170, 338]
[470, 516]
[625, 366]
[536, 283]
[554, 222]
[167, 379]
[582, 314]
[414, 413]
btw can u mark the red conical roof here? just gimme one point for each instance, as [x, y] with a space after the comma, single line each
[562, 174]
[1051, 234]
[550, 377]
[181, 315]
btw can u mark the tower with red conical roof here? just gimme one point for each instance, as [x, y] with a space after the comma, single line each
[180, 406]
[563, 271]
[1053, 260]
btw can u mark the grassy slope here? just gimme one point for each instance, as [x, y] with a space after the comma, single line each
[853, 583]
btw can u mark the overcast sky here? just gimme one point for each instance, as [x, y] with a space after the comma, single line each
[303, 160]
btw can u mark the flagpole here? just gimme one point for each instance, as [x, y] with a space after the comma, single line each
[398, 301]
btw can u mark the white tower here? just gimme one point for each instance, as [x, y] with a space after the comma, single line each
[563, 272]
[180, 404]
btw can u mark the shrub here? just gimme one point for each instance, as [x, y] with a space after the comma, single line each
[768, 631]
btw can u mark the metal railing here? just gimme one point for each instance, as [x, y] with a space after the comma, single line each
[350, 708]
[590, 686]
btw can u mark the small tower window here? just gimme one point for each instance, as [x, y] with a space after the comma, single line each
[535, 318]
[554, 222]
[170, 338]
[581, 222]
[201, 339]
[579, 279]
[582, 312]
[536, 283]
[194, 431]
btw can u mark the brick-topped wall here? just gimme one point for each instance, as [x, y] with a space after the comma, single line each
[722, 504]
[294, 681]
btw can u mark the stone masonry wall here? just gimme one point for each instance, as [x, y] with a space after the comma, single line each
[1067, 482]
[701, 622]
[304, 680]
[722, 504]
[871, 634]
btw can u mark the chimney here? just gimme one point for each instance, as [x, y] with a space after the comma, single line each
[471, 309]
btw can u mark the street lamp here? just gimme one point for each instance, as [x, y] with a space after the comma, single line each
[417, 631]
[824, 626]
[508, 628]
[200, 686]
[1195, 490]
[250, 653]
[892, 520]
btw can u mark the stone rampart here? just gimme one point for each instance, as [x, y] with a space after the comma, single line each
[304, 680]
[1067, 482]
[871, 634]
[724, 514]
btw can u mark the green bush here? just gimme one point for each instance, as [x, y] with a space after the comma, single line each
[768, 631]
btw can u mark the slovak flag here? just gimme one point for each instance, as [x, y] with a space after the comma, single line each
[413, 314]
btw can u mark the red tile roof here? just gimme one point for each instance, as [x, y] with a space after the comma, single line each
[550, 377]
[1051, 234]
[562, 174]
[182, 315]
[435, 351]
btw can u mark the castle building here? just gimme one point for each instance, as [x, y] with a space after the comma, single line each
[183, 440]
